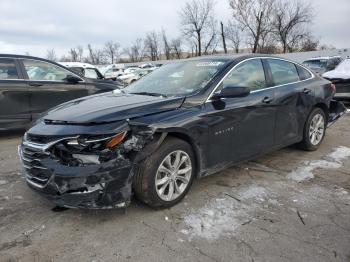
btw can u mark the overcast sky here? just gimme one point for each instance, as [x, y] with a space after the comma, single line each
[35, 26]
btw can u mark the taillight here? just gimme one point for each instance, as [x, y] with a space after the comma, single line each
[334, 89]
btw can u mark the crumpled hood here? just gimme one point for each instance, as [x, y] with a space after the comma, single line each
[110, 107]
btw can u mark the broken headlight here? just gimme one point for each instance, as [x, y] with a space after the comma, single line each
[84, 150]
[99, 142]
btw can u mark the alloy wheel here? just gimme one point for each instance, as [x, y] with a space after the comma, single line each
[173, 175]
[316, 130]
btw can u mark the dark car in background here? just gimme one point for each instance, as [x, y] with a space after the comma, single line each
[340, 77]
[321, 65]
[187, 119]
[30, 85]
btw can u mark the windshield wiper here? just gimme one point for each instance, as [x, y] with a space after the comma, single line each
[148, 94]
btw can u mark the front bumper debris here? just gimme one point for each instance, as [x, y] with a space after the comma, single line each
[104, 185]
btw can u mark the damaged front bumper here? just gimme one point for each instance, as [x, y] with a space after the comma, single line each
[105, 185]
[74, 179]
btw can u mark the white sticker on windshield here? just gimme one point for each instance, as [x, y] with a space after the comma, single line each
[209, 64]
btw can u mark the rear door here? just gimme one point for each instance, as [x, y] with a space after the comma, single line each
[294, 98]
[48, 86]
[14, 96]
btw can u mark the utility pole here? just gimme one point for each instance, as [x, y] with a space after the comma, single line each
[223, 37]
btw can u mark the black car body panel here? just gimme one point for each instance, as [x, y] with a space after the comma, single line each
[221, 133]
[23, 100]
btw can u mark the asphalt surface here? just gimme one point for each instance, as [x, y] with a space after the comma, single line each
[289, 205]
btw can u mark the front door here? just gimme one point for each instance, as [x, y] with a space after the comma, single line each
[48, 86]
[240, 128]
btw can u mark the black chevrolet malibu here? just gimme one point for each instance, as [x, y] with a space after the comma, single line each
[31, 85]
[185, 120]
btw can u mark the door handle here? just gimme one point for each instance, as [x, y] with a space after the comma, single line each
[35, 84]
[267, 100]
[306, 91]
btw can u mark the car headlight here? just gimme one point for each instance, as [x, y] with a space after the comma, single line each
[98, 142]
[84, 150]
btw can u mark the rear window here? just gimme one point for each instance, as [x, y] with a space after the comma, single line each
[303, 73]
[316, 63]
[8, 69]
[283, 72]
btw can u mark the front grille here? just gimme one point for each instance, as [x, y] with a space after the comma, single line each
[41, 139]
[35, 171]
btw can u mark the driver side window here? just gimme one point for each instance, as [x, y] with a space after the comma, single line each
[248, 74]
[39, 70]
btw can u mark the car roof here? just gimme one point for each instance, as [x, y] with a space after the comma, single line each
[238, 57]
[77, 64]
[35, 58]
[322, 58]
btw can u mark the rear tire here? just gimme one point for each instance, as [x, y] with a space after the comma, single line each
[170, 168]
[314, 130]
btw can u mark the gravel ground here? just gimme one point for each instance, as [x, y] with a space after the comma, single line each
[289, 205]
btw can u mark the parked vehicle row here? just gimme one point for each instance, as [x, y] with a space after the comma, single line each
[321, 65]
[340, 77]
[188, 119]
[334, 69]
[30, 85]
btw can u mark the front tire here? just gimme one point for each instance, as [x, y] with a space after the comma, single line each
[314, 130]
[163, 179]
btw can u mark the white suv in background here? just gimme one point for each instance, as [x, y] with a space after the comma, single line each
[84, 69]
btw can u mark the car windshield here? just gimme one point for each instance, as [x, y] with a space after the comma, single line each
[317, 63]
[178, 78]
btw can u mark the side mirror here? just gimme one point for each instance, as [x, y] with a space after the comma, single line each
[73, 79]
[231, 92]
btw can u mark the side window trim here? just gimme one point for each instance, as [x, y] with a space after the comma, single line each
[60, 81]
[268, 73]
[262, 58]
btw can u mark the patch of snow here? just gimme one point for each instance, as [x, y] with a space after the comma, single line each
[3, 182]
[253, 192]
[334, 161]
[340, 154]
[216, 219]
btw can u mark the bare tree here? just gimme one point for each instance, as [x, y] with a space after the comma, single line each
[51, 55]
[176, 46]
[234, 35]
[223, 37]
[151, 44]
[111, 51]
[211, 37]
[289, 20]
[166, 45]
[73, 53]
[96, 56]
[309, 44]
[80, 50]
[135, 51]
[255, 17]
[195, 20]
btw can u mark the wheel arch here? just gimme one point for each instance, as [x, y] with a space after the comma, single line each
[324, 108]
[196, 150]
